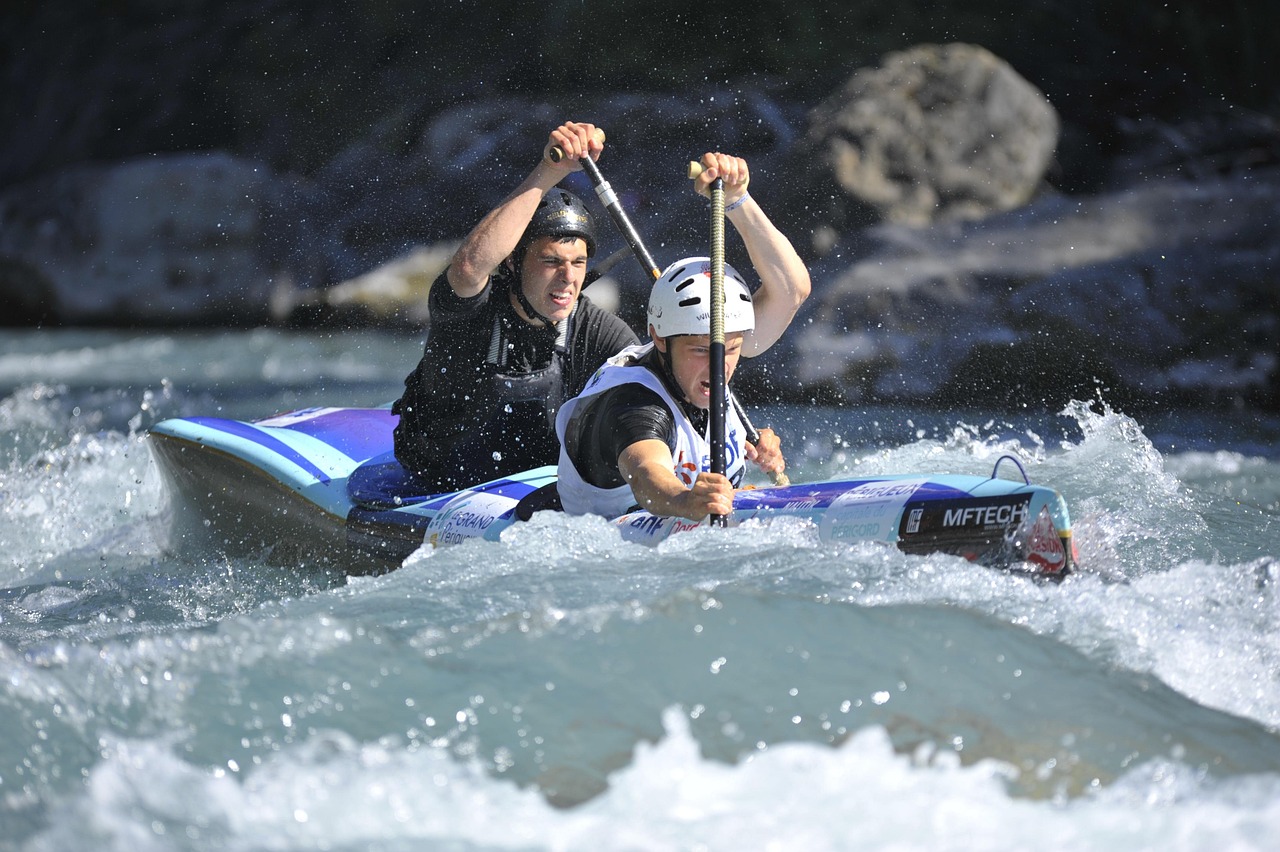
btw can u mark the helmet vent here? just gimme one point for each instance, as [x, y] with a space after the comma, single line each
[679, 299]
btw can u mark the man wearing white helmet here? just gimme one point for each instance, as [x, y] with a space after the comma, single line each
[638, 434]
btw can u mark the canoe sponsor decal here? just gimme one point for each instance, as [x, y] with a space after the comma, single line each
[642, 524]
[985, 517]
[1044, 547]
[651, 529]
[684, 525]
[1002, 515]
[869, 511]
[467, 516]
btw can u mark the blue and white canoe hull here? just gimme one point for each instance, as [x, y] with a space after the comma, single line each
[323, 483]
[995, 521]
[318, 483]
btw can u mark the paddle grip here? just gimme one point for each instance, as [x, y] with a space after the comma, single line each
[555, 154]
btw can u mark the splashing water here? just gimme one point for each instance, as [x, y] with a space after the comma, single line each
[563, 689]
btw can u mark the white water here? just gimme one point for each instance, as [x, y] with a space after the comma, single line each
[563, 690]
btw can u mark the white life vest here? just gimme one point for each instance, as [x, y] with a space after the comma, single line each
[692, 453]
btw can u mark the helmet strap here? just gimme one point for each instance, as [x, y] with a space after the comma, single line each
[516, 261]
[563, 329]
[526, 305]
[660, 363]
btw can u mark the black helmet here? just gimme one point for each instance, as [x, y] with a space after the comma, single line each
[560, 213]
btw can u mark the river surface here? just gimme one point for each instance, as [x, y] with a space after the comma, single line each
[751, 688]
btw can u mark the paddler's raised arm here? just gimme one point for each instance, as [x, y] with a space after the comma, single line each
[497, 234]
[784, 280]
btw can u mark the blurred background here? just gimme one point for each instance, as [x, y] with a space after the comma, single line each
[294, 83]
[187, 163]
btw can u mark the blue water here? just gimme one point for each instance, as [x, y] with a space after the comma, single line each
[744, 689]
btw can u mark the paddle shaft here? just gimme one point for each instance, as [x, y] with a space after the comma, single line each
[718, 384]
[753, 434]
[610, 201]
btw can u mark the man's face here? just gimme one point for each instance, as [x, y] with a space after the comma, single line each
[690, 359]
[552, 275]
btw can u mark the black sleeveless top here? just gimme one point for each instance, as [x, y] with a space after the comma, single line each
[482, 401]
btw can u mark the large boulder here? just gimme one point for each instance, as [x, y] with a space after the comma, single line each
[934, 133]
[1164, 291]
[157, 240]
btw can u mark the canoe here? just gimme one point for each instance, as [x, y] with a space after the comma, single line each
[323, 483]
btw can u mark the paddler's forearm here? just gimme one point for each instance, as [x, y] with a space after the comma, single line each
[495, 237]
[647, 468]
[652, 483]
[784, 278]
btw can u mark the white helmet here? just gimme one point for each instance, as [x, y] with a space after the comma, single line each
[680, 302]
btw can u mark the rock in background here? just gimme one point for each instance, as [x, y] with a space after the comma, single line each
[153, 241]
[419, 180]
[1093, 220]
[1162, 292]
[934, 133]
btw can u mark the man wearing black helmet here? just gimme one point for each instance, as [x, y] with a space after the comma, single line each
[511, 335]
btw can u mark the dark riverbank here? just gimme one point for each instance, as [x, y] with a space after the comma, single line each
[204, 164]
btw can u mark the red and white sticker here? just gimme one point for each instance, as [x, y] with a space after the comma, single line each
[1044, 547]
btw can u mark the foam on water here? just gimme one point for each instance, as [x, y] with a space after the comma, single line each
[751, 688]
[336, 793]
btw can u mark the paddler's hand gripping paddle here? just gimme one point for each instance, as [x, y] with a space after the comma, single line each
[610, 201]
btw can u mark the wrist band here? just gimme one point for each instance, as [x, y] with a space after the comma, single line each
[735, 205]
